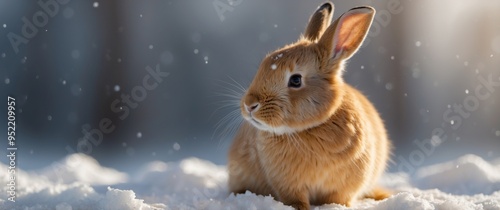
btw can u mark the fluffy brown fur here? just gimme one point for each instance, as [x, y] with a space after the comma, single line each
[322, 142]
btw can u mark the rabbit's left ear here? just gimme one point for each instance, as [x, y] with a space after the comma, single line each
[343, 38]
[319, 21]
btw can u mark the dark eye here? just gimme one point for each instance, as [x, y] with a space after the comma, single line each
[295, 81]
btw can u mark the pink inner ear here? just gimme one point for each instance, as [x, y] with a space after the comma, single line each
[342, 36]
[348, 31]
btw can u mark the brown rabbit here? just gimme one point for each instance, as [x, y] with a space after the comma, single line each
[310, 138]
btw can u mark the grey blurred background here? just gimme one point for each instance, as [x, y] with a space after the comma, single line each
[420, 58]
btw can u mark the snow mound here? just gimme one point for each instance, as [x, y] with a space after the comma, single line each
[468, 175]
[199, 184]
[84, 169]
[114, 196]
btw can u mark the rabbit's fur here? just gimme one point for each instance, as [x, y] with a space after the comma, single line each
[322, 142]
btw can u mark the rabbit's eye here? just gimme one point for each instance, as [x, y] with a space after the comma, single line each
[295, 81]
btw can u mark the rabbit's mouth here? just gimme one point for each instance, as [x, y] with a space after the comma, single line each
[258, 124]
[279, 130]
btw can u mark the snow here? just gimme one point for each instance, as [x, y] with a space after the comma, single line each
[80, 182]
[388, 86]
[176, 146]
[467, 175]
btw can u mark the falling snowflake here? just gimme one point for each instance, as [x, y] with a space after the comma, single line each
[388, 86]
[435, 140]
[278, 56]
[167, 57]
[176, 146]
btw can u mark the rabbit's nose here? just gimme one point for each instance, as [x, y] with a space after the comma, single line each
[252, 107]
[251, 103]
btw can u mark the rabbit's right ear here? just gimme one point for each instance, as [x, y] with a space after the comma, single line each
[319, 21]
[343, 38]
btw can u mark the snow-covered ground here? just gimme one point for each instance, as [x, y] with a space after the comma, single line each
[79, 182]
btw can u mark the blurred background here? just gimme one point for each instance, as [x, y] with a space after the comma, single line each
[432, 68]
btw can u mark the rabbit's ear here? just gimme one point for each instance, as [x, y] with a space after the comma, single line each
[319, 21]
[343, 38]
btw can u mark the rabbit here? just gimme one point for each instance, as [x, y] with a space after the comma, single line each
[308, 137]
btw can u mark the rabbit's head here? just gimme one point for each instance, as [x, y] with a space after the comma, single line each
[300, 86]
